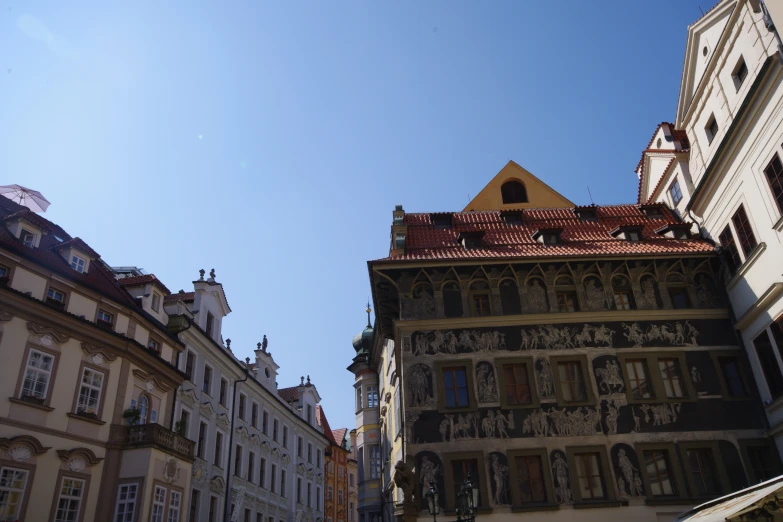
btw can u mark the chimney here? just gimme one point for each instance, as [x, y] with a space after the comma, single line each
[399, 232]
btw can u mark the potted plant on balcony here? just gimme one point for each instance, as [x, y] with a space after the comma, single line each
[132, 416]
[180, 427]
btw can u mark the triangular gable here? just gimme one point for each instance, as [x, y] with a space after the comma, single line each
[539, 194]
[704, 38]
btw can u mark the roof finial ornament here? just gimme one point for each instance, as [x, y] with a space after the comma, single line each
[258, 346]
[308, 379]
[201, 274]
[301, 383]
[368, 313]
[228, 344]
[211, 276]
[264, 344]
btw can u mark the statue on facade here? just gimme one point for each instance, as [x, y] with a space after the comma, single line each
[537, 297]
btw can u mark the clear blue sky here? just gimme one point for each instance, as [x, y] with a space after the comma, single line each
[271, 140]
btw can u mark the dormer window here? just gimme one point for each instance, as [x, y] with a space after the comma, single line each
[513, 191]
[652, 211]
[586, 213]
[155, 301]
[632, 234]
[512, 218]
[399, 241]
[77, 263]
[471, 240]
[548, 236]
[441, 221]
[676, 231]
[210, 324]
[153, 345]
[28, 238]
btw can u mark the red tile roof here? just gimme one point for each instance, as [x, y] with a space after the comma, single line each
[180, 296]
[339, 435]
[320, 418]
[143, 280]
[289, 395]
[579, 238]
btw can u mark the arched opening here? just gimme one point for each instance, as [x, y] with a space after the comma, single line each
[452, 300]
[536, 296]
[623, 293]
[678, 291]
[424, 299]
[509, 297]
[565, 290]
[513, 191]
[144, 408]
[479, 299]
[650, 298]
[595, 299]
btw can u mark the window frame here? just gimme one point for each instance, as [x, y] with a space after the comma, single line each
[155, 301]
[586, 375]
[52, 374]
[217, 456]
[746, 444]
[736, 74]
[467, 365]
[676, 473]
[607, 475]
[675, 184]
[139, 484]
[659, 390]
[722, 476]
[517, 504]
[480, 293]
[776, 197]
[223, 399]
[242, 406]
[23, 233]
[744, 233]
[529, 362]
[78, 263]
[51, 301]
[61, 476]
[203, 440]
[204, 383]
[30, 469]
[745, 373]
[711, 129]
[102, 394]
[448, 459]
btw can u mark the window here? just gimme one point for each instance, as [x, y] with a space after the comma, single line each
[274, 430]
[247, 515]
[213, 509]
[154, 346]
[660, 479]
[125, 508]
[763, 462]
[90, 391]
[452, 300]
[516, 384]
[210, 324]
[190, 362]
[455, 385]
[512, 218]
[206, 385]
[329, 494]
[711, 129]
[672, 381]
[309, 411]
[77, 263]
[572, 383]
[223, 388]
[218, 448]
[251, 467]
[340, 497]
[678, 292]
[638, 379]
[264, 422]
[351, 512]
[589, 476]
[731, 371]
[745, 237]
[105, 317]
[55, 297]
[300, 447]
[513, 191]
[740, 73]
[375, 461]
[459, 469]
[28, 238]
[318, 498]
[509, 297]
[769, 364]
[262, 473]
[155, 301]
[4, 272]
[309, 453]
[703, 472]
[238, 461]
[13, 486]
[37, 375]
[479, 299]
[441, 221]
[730, 254]
[359, 398]
[350, 479]
[566, 302]
[299, 490]
[774, 174]
[623, 293]
[309, 494]
[273, 478]
[175, 503]
[530, 483]
[285, 437]
[372, 396]
[242, 404]
[254, 415]
[144, 408]
[282, 483]
[69, 502]
[202, 440]
[318, 458]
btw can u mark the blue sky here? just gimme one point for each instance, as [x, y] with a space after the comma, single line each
[271, 140]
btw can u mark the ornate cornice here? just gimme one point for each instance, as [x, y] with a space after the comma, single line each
[36, 448]
[217, 484]
[91, 349]
[41, 329]
[149, 377]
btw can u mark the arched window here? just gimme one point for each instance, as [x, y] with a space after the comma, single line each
[678, 291]
[595, 299]
[479, 299]
[537, 301]
[513, 191]
[623, 293]
[452, 300]
[144, 408]
[424, 299]
[566, 294]
[509, 297]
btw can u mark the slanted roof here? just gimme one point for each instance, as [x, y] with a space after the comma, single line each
[320, 418]
[180, 296]
[143, 280]
[339, 436]
[578, 238]
[289, 395]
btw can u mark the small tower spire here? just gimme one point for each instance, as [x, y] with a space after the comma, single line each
[368, 313]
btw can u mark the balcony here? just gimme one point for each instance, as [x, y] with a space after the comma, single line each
[151, 435]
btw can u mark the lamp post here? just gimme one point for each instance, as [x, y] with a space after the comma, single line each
[432, 501]
[468, 500]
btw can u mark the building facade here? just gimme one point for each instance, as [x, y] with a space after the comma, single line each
[90, 383]
[338, 506]
[720, 166]
[564, 357]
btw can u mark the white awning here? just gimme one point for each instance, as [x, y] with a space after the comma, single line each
[723, 510]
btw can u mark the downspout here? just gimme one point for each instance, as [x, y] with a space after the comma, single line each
[174, 401]
[226, 514]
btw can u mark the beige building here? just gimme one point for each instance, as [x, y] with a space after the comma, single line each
[88, 384]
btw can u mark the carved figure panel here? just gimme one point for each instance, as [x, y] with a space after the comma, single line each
[595, 297]
[608, 376]
[430, 469]
[499, 479]
[627, 472]
[420, 385]
[486, 382]
[561, 476]
[545, 379]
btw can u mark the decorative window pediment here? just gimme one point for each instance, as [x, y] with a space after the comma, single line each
[152, 378]
[78, 459]
[47, 333]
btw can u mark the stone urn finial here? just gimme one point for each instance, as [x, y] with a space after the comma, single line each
[201, 274]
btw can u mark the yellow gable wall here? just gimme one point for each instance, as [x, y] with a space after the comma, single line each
[539, 194]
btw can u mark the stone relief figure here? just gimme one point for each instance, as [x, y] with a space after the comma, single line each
[500, 477]
[488, 425]
[675, 334]
[546, 387]
[662, 414]
[562, 491]
[447, 427]
[536, 295]
[708, 296]
[612, 415]
[628, 470]
[428, 473]
[594, 295]
[647, 299]
[485, 379]
[610, 378]
[562, 423]
[410, 420]
[695, 375]
[419, 385]
[637, 485]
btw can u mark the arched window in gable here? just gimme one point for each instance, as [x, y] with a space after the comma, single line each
[513, 191]
[452, 300]
[509, 297]
[480, 299]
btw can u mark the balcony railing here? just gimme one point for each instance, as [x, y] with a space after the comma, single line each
[151, 435]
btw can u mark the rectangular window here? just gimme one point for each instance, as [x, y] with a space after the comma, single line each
[282, 483]
[285, 437]
[264, 422]
[206, 385]
[69, 503]
[158, 504]
[350, 479]
[309, 494]
[251, 467]
[372, 396]
[730, 253]
[589, 476]
[299, 490]
[638, 378]
[184, 422]
[675, 192]
[309, 453]
[154, 346]
[155, 301]
[218, 449]
[329, 493]
[459, 472]
[300, 447]
[358, 398]
[480, 303]
[657, 465]
[711, 129]
[262, 473]
[273, 478]
[769, 364]
[213, 508]
[202, 440]
[732, 375]
[90, 391]
[242, 404]
[247, 515]
[517, 387]
[37, 375]
[455, 385]
[105, 317]
[745, 237]
[175, 504]
[740, 73]
[55, 297]
[238, 461]
[318, 498]
[671, 377]
[28, 238]
[375, 461]
[566, 302]
[702, 468]
[125, 508]
[274, 430]
[77, 263]
[210, 324]
[223, 389]
[774, 174]
[254, 415]
[530, 479]
[340, 497]
[195, 497]
[13, 485]
[309, 412]
[572, 383]
[762, 462]
[190, 361]
[318, 458]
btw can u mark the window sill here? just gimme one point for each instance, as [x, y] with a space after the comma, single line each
[537, 507]
[778, 226]
[749, 262]
[597, 504]
[86, 419]
[42, 407]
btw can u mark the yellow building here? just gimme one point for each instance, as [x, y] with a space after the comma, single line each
[88, 385]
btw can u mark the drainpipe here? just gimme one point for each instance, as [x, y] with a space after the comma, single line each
[226, 505]
[174, 401]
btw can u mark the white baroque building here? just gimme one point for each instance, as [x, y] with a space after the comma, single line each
[720, 166]
[257, 445]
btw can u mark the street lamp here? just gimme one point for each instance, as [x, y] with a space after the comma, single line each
[468, 498]
[432, 501]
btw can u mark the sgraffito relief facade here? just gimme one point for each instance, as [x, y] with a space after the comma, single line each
[597, 368]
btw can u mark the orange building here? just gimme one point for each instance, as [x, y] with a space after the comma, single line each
[336, 483]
